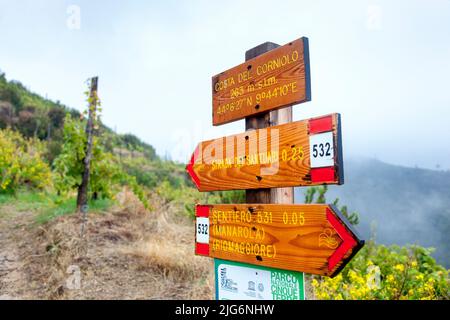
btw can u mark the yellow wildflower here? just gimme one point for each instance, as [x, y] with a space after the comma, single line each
[390, 278]
[399, 267]
[315, 283]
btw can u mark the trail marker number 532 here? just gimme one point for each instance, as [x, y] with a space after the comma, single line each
[202, 230]
[321, 150]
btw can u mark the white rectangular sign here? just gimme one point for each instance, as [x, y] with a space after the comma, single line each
[202, 230]
[321, 150]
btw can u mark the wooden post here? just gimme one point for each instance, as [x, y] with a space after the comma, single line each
[273, 118]
[82, 199]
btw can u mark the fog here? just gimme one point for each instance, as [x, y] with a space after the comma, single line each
[396, 205]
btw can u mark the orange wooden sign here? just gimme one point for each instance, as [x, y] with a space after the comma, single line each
[275, 79]
[302, 153]
[312, 238]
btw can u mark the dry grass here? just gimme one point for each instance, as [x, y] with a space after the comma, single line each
[176, 267]
[127, 253]
[173, 261]
[168, 250]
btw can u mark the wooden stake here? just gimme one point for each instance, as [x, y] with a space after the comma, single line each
[82, 199]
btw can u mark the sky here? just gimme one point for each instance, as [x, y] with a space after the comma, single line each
[383, 65]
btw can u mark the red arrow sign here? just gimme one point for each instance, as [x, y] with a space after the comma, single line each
[301, 153]
[313, 238]
[190, 169]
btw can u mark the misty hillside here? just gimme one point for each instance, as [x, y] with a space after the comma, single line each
[407, 205]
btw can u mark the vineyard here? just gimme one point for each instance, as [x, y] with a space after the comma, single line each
[140, 217]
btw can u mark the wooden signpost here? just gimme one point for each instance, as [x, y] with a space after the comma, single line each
[311, 238]
[301, 153]
[275, 79]
[263, 243]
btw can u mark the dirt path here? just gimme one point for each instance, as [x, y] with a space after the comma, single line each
[127, 253]
[13, 232]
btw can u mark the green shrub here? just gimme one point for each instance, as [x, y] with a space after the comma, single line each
[152, 173]
[69, 165]
[21, 163]
[106, 172]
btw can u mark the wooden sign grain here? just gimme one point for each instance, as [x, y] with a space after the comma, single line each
[302, 153]
[312, 238]
[275, 79]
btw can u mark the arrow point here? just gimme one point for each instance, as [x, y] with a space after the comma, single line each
[349, 240]
[190, 168]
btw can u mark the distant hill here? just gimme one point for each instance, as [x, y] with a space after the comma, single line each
[35, 116]
[407, 205]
